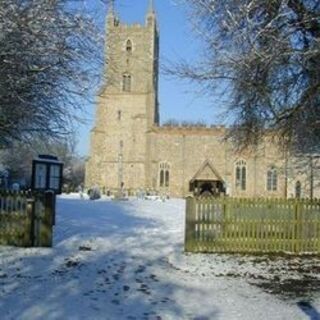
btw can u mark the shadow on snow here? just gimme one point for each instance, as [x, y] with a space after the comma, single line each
[100, 268]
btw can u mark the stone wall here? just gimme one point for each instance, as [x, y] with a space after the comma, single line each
[186, 149]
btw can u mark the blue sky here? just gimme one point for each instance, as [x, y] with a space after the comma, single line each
[178, 99]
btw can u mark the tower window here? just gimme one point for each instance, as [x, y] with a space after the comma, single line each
[298, 190]
[164, 174]
[129, 46]
[272, 179]
[126, 82]
[119, 115]
[241, 175]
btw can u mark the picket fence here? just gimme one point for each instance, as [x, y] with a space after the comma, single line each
[252, 225]
[26, 218]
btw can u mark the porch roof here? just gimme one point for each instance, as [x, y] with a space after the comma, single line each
[207, 172]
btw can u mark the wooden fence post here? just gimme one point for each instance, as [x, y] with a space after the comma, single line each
[54, 210]
[189, 225]
[29, 228]
[45, 237]
[224, 225]
[297, 229]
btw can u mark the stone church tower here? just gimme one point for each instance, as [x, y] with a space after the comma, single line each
[127, 105]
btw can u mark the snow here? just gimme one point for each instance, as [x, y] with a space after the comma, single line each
[125, 260]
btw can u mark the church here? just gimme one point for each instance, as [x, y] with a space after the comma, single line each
[132, 152]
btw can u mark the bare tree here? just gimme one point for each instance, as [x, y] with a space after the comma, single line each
[171, 123]
[49, 63]
[266, 54]
[17, 160]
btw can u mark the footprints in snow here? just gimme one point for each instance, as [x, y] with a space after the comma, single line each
[121, 280]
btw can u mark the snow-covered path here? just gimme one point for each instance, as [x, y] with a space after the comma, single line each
[124, 260]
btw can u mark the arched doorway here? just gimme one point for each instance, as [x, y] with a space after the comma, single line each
[207, 188]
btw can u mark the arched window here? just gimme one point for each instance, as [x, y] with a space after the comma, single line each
[119, 115]
[272, 179]
[161, 178]
[126, 82]
[129, 46]
[298, 190]
[167, 176]
[164, 169]
[241, 175]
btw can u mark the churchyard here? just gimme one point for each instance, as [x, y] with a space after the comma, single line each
[126, 260]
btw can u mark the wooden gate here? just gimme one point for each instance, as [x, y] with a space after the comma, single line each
[26, 218]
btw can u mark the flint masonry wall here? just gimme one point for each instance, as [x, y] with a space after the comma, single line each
[186, 149]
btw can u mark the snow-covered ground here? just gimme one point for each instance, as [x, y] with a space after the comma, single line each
[125, 260]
